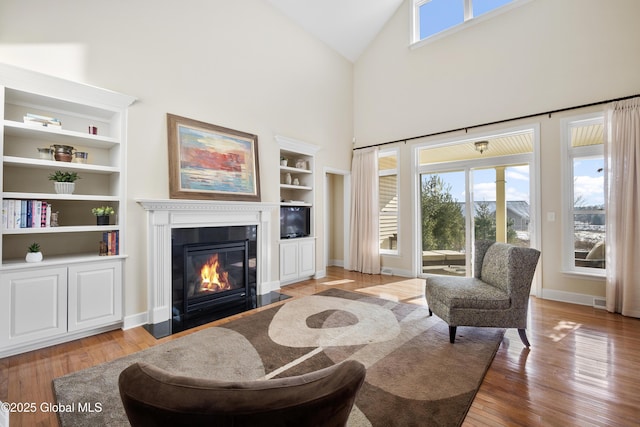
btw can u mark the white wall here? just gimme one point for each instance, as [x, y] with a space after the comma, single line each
[238, 64]
[545, 55]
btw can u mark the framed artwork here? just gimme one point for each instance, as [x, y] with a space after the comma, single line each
[211, 162]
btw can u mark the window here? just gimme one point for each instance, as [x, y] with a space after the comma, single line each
[584, 195]
[431, 17]
[388, 199]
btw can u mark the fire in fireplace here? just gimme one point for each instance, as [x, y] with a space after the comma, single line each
[215, 274]
[213, 278]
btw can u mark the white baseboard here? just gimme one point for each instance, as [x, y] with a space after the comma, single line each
[574, 298]
[388, 271]
[48, 342]
[135, 320]
[320, 274]
[336, 263]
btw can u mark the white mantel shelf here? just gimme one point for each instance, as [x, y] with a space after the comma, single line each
[203, 205]
[166, 214]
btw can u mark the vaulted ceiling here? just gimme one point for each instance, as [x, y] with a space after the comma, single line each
[347, 26]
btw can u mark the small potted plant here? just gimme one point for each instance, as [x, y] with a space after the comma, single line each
[64, 182]
[33, 253]
[284, 161]
[102, 214]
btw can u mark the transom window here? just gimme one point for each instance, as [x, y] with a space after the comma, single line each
[431, 17]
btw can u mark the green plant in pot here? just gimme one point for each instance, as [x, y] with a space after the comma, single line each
[102, 214]
[64, 182]
[33, 253]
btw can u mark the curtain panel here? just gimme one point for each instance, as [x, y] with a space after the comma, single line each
[364, 255]
[622, 153]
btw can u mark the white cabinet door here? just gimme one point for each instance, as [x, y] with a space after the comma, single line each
[288, 261]
[34, 305]
[297, 259]
[95, 294]
[307, 254]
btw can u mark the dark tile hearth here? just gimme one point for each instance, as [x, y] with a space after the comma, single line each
[175, 325]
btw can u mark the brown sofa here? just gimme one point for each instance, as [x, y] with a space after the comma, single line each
[154, 397]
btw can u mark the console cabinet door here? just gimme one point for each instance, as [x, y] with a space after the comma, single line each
[297, 260]
[34, 305]
[95, 294]
[307, 253]
[288, 261]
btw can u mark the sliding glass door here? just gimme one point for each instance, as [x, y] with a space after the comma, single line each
[466, 196]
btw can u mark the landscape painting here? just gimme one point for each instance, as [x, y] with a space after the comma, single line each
[211, 162]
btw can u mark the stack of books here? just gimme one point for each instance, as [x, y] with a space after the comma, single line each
[111, 240]
[25, 214]
[38, 120]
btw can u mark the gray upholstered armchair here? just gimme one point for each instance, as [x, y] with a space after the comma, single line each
[497, 296]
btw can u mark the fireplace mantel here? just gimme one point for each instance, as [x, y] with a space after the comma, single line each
[165, 214]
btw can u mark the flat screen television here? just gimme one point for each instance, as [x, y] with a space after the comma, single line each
[295, 221]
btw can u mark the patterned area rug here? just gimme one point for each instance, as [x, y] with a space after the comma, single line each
[415, 377]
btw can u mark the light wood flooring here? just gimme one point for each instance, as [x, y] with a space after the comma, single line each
[583, 368]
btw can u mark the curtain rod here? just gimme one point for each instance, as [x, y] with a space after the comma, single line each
[466, 128]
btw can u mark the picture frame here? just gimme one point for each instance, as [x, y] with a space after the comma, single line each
[207, 161]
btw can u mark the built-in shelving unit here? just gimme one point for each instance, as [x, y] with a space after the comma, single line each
[297, 165]
[292, 192]
[73, 284]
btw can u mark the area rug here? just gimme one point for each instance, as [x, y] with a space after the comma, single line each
[415, 377]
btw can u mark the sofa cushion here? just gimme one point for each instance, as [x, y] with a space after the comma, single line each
[468, 292]
[495, 266]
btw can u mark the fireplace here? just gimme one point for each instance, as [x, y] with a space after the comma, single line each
[213, 273]
[173, 222]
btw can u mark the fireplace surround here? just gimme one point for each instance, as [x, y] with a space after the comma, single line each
[166, 217]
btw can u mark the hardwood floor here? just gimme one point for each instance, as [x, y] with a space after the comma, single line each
[582, 368]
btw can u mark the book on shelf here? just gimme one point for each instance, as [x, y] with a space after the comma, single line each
[25, 214]
[111, 240]
[5, 213]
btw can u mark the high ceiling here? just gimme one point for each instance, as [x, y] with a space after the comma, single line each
[347, 26]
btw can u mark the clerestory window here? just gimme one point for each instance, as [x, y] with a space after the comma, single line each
[431, 17]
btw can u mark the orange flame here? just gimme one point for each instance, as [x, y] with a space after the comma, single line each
[214, 278]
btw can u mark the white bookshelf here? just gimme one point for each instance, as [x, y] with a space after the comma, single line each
[61, 286]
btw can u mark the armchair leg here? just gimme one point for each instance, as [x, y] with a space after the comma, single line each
[452, 334]
[430, 313]
[523, 337]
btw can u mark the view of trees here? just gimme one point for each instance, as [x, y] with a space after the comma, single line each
[442, 217]
[485, 225]
[443, 223]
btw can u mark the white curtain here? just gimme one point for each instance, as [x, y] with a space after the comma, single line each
[622, 151]
[364, 255]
